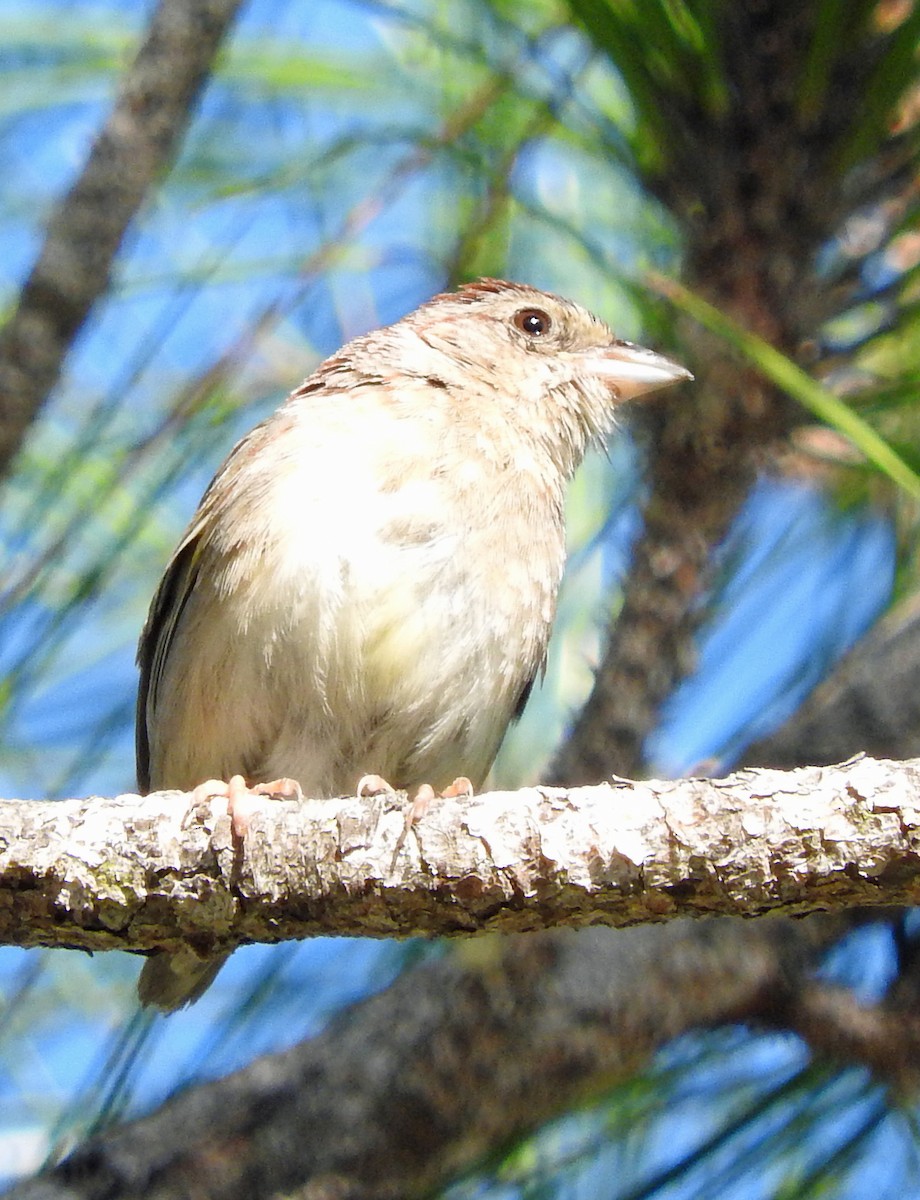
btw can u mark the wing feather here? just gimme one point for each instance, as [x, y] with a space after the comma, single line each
[156, 640]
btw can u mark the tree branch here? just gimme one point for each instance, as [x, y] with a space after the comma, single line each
[85, 231]
[136, 874]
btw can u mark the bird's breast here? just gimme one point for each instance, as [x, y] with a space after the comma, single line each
[415, 615]
[382, 604]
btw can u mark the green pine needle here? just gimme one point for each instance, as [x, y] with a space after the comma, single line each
[786, 374]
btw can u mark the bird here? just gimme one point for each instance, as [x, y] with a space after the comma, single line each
[370, 580]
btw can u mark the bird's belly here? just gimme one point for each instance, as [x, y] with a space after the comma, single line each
[408, 662]
[394, 645]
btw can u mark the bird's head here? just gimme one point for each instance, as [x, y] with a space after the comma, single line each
[552, 367]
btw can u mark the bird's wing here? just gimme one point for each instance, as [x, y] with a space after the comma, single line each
[157, 637]
[526, 690]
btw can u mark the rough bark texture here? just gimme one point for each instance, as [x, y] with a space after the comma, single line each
[135, 874]
[137, 141]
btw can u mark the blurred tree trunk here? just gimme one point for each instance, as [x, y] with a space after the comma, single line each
[143, 132]
[871, 702]
[460, 1057]
[755, 170]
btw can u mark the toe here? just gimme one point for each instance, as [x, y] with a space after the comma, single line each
[421, 804]
[281, 789]
[209, 790]
[460, 787]
[242, 804]
[372, 785]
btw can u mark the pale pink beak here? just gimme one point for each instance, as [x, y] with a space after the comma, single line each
[631, 370]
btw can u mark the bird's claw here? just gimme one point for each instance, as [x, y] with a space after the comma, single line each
[244, 801]
[372, 785]
[421, 804]
[462, 786]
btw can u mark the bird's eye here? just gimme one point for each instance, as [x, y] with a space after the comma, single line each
[533, 321]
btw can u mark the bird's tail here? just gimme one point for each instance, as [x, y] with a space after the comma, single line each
[172, 979]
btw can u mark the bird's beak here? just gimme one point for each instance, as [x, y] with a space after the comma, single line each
[631, 370]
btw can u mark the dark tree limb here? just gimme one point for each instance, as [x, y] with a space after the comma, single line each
[870, 702]
[135, 145]
[416, 1085]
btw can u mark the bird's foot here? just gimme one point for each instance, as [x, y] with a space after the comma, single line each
[425, 796]
[244, 801]
[376, 785]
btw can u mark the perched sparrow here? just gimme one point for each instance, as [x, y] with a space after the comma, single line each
[369, 581]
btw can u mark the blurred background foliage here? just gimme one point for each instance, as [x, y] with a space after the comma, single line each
[350, 158]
